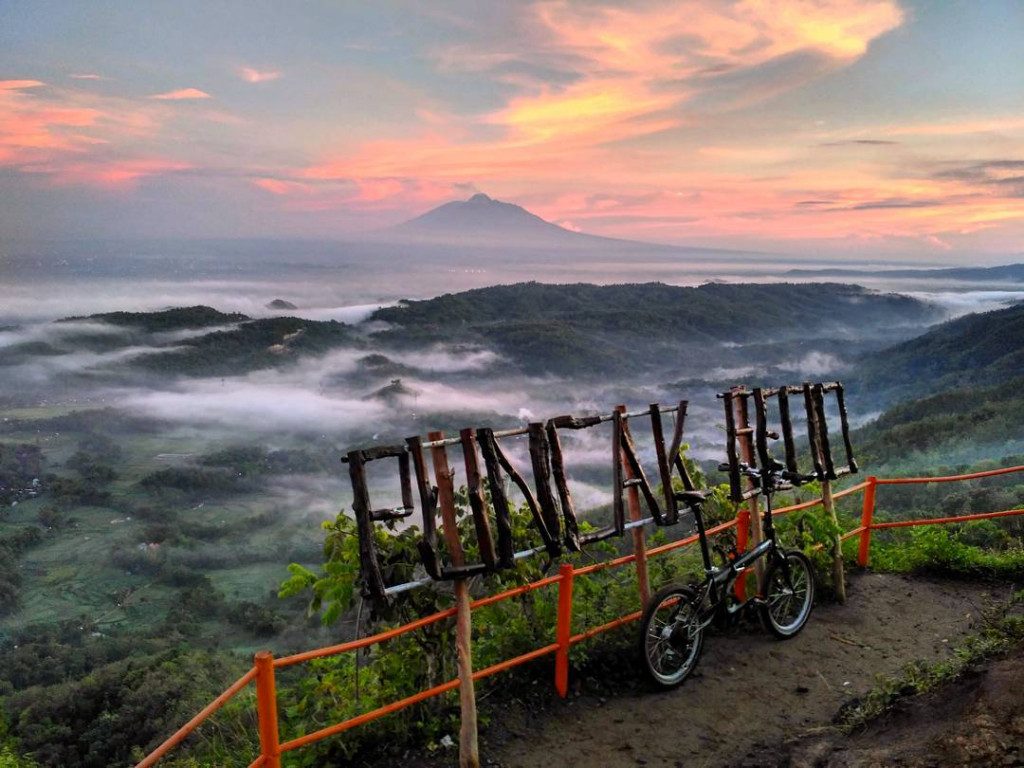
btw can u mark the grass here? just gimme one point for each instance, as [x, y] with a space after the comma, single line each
[1002, 632]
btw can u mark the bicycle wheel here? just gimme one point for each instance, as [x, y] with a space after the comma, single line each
[671, 636]
[787, 606]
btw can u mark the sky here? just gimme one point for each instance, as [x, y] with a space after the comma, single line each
[825, 127]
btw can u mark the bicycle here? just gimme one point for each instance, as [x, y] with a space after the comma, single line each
[672, 630]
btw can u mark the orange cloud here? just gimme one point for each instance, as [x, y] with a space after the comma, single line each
[183, 94]
[251, 75]
[19, 85]
[79, 138]
[633, 70]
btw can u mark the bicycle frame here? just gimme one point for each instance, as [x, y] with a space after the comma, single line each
[718, 581]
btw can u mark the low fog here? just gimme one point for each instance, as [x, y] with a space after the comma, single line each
[346, 398]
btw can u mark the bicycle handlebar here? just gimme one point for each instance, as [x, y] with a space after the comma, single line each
[795, 478]
[798, 479]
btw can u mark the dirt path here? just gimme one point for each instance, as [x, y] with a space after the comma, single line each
[971, 722]
[750, 689]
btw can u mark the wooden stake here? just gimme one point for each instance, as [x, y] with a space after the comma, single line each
[635, 513]
[469, 752]
[746, 445]
[838, 572]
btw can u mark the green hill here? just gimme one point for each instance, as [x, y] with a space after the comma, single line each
[174, 319]
[599, 329]
[978, 350]
[956, 426]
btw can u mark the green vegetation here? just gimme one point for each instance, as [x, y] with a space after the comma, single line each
[956, 425]
[581, 328]
[161, 555]
[175, 319]
[1002, 632]
[979, 350]
[253, 345]
[133, 588]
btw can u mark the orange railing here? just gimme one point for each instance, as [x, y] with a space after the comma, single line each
[262, 672]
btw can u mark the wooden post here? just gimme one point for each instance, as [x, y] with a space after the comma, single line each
[563, 630]
[469, 753]
[753, 517]
[635, 513]
[838, 575]
[867, 516]
[266, 710]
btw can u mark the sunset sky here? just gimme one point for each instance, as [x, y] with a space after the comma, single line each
[842, 127]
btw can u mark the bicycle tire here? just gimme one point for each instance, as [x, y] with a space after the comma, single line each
[663, 644]
[779, 601]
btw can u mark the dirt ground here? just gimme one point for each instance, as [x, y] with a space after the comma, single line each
[750, 690]
[977, 720]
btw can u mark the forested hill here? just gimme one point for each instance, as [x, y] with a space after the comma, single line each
[977, 350]
[1006, 273]
[580, 328]
[174, 319]
[711, 311]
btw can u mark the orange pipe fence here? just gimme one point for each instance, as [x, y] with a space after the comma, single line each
[265, 664]
[182, 733]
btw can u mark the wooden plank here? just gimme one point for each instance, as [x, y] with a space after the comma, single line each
[551, 544]
[635, 472]
[671, 516]
[565, 501]
[427, 545]
[499, 501]
[369, 568]
[477, 505]
[817, 396]
[618, 480]
[787, 429]
[844, 421]
[540, 458]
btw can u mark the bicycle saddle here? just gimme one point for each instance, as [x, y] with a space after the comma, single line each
[691, 498]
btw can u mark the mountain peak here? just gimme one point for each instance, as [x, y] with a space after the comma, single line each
[482, 220]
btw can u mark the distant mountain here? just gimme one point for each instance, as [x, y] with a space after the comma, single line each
[1013, 273]
[482, 219]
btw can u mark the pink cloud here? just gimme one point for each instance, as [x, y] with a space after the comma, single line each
[75, 137]
[115, 174]
[379, 195]
[251, 75]
[87, 76]
[19, 85]
[182, 94]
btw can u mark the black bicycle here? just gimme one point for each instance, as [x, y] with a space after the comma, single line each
[672, 631]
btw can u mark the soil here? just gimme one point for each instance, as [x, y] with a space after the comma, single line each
[976, 720]
[751, 690]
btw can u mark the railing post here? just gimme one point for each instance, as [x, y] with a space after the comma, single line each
[838, 572]
[563, 629]
[266, 710]
[742, 540]
[469, 749]
[867, 516]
